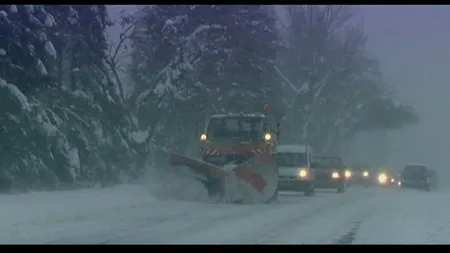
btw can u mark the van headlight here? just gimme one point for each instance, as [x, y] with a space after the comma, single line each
[347, 174]
[335, 175]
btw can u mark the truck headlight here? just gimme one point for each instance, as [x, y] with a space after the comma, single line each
[365, 174]
[203, 137]
[303, 173]
[267, 137]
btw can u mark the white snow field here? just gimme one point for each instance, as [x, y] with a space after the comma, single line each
[129, 214]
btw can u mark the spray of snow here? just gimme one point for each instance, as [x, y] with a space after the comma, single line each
[176, 185]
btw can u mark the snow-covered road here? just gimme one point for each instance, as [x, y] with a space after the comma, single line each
[128, 214]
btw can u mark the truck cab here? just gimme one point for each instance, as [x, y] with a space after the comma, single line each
[236, 138]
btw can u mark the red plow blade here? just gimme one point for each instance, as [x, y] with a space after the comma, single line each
[254, 181]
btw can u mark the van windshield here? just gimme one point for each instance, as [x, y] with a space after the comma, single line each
[324, 162]
[292, 159]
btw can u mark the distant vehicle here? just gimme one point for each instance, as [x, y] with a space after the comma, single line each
[418, 177]
[385, 178]
[362, 175]
[330, 173]
[295, 172]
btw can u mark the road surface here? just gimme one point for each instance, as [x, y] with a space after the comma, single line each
[128, 214]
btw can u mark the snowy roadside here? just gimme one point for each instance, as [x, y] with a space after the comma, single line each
[412, 217]
[130, 214]
[39, 217]
[29, 213]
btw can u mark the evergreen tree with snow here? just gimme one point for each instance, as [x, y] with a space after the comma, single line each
[64, 123]
[26, 53]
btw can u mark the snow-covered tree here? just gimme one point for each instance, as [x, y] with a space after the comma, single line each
[26, 53]
[332, 86]
[62, 115]
[189, 61]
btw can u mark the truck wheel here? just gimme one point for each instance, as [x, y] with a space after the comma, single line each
[310, 191]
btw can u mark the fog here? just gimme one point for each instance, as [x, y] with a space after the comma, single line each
[411, 45]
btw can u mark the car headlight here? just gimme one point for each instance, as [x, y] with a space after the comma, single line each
[303, 173]
[392, 180]
[382, 178]
[203, 137]
[365, 174]
[267, 137]
[335, 175]
[347, 174]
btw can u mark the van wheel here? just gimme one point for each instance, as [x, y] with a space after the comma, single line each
[341, 189]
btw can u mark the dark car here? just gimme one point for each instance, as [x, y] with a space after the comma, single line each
[330, 173]
[362, 176]
[418, 177]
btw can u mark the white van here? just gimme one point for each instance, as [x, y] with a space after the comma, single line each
[295, 174]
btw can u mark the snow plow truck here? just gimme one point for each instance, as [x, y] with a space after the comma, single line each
[238, 163]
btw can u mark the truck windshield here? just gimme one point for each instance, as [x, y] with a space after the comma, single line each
[235, 128]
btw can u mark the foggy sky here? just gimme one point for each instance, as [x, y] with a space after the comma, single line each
[411, 43]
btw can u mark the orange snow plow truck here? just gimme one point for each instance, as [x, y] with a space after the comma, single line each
[238, 163]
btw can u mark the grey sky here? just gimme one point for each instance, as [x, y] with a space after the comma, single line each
[412, 45]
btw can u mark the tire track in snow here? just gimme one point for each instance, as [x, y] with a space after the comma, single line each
[295, 218]
[125, 226]
[191, 224]
[86, 227]
[349, 237]
[320, 224]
